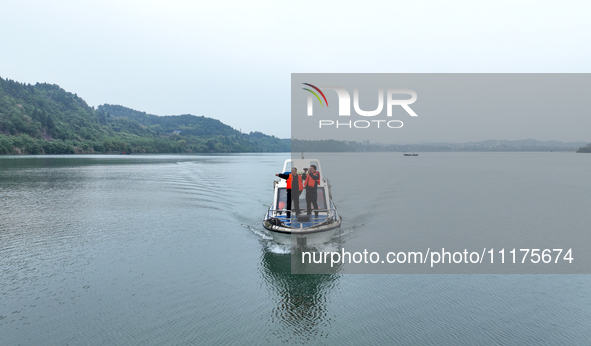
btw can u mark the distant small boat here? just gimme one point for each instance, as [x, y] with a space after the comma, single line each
[413, 154]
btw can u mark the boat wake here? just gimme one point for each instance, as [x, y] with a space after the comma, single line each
[278, 248]
[346, 231]
[263, 234]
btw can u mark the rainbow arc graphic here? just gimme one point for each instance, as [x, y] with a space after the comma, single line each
[315, 94]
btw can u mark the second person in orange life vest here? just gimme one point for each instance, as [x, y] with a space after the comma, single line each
[312, 180]
[294, 185]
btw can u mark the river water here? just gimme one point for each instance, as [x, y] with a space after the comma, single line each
[169, 250]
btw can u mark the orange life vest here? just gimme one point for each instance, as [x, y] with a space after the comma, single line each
[299, 181]
[311, 182]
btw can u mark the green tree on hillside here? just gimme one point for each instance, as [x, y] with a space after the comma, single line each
[44, 118]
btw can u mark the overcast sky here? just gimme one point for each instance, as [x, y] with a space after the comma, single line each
[232, 60]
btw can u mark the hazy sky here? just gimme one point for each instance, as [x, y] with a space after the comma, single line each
[232, 60]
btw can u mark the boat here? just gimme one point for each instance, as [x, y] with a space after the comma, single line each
[302, 229]
[413, 154]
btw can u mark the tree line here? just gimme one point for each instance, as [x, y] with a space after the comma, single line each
[45, 119]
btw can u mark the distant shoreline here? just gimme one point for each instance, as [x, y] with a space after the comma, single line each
[296, 152]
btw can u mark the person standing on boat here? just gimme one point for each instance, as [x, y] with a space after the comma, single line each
[311, 181]
[295, 196]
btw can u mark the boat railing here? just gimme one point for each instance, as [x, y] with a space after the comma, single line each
[324, 215]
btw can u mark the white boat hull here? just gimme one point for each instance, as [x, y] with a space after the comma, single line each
[303, 236]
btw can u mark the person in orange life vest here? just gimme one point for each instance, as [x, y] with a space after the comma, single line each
[295, 196]
[311, 181]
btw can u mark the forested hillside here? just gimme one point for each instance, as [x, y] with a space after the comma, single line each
[45, 119]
